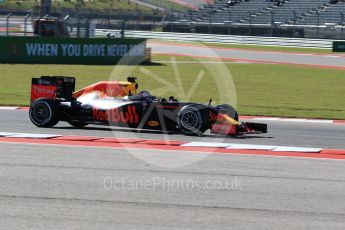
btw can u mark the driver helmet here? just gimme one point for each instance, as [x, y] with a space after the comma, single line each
[144, 94]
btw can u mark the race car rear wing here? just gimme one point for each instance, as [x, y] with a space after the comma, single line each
[63, 88]
[52, 87]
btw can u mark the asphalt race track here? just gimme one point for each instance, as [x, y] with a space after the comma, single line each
[327, 61]
[74, 187]
[44, 187]
[64, 187]
[279, 133]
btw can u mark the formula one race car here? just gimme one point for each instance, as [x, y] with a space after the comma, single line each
[117, 103]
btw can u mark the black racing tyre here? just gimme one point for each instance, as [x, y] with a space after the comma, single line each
[43, 113]
[78, 124]
[227, 110]
[192, 120]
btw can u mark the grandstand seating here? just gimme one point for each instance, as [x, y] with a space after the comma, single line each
[292, 10]
[331, 14]
[241, 12]
[302, 12]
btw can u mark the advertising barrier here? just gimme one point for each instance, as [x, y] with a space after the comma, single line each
[339, 46]
[93, 51]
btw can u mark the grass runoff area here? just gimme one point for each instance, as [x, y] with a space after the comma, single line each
[262, 89]
[168, 4]
[86, 4]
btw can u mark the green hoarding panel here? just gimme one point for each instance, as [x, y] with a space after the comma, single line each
[339, 46]
[93, 51]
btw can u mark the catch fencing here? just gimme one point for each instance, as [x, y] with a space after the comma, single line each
[226, 39]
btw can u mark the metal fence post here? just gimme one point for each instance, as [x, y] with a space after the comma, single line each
[209, 21]
[87, 28]
[272, 22]
[318, 24]
[26, 22]
[173, 21]
[123, 28]
[342, 24]
[230, 22]
[78, 26]
[65, 21]
[7, 23]
[294, 23]
[250, 24]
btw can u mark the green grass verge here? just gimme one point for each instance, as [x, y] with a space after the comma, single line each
[255, 47]
[60, 4]
[262, 89]
[169, 5]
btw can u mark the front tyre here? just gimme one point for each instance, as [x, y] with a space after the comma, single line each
[191, 120]
[43, 113]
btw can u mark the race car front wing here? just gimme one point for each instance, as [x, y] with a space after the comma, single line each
[235, 130]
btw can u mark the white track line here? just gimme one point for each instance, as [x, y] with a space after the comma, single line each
[253, 147]
[28, 135]
[190, 144]
[8, 108]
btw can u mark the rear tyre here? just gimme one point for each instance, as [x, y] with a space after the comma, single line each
[227, 110]
[77, 124]
[192, 120]
[43, 113]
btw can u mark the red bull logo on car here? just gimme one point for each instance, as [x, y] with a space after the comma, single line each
[127, 115]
